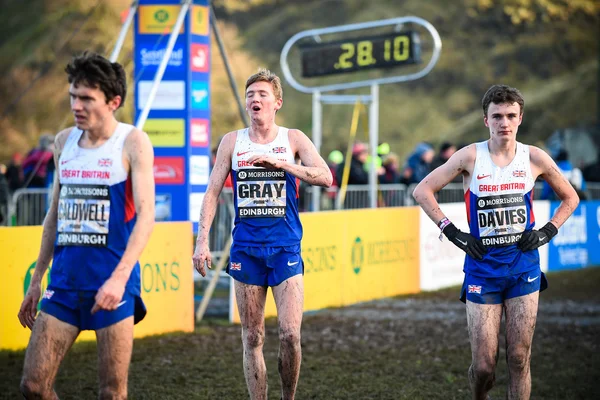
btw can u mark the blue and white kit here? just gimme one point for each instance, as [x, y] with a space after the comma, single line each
[499, 205]
[96, 215]
[267, 230]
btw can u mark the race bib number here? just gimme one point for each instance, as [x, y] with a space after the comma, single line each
[501, 219]
[83, 215]
[261, 193]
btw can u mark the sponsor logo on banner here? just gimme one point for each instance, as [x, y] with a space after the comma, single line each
[200, 20]
[195, 206]
[161, 276]
[199, 132]
[29, 275]
[169, 96]
[200, 95]
[165, 132]
[151, 57]
[169, 170]
[358, 255]
[158, 19]
[199, 57]
[162, 207]
[569, 248]
[199, 170]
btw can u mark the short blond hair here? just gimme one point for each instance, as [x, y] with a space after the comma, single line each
[264, 75]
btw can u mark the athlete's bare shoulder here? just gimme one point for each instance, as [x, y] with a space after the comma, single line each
[61, 138]
[541, 162]
[464, 159]
[227, 143]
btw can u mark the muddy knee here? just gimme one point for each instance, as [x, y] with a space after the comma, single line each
[518, 359]
[289, 337]
[483, 370]
[31, 389]
[110, 392]
[253, 338]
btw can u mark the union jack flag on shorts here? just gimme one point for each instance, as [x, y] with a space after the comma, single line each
[474, 289]
[235, 266]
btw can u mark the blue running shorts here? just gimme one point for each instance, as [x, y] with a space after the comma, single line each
[495, 290]
[264, 266]
[74, 308]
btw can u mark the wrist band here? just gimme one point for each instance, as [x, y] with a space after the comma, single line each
[442, 224]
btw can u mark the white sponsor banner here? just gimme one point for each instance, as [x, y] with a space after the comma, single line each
[195, 206]
[199, 170]
[169, 96]
[441, 263]
[541, 210]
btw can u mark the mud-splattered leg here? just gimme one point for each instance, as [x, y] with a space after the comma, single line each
[50, 340]
[484, 326]
[251, 305]
[521, 316]
[289, 298]
[115, 345]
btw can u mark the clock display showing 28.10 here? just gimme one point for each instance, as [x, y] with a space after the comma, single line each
[360, 54]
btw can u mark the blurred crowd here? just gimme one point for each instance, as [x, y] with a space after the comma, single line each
[32, 170]
[36, 170]
[424, 158]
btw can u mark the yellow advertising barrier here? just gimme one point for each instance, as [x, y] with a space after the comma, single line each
[166, 282]
[355, 256]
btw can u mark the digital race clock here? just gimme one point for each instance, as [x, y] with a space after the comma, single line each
[360, 54]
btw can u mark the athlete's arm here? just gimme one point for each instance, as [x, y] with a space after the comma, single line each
[314, 169]
[461, 162]
[28, 308]
[140, 155]
[543, 165]
[218, 176]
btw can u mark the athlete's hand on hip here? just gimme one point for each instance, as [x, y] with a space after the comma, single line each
[109, 295]
[28, 309]
[464, 241]
[264, 161]
[202, 256]
[533, 239]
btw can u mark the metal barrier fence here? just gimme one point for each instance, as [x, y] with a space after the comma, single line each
[29, 206]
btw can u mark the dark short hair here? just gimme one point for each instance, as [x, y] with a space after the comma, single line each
[93, 70]
[502, 94]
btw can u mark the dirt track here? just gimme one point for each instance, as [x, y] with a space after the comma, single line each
[412, 347]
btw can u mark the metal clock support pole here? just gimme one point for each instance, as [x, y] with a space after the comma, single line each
[317, 137]
[373, 142]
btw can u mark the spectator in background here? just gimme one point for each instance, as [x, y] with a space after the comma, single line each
[4, 195]
[391, 175]
[445, 152]
[391, 168]
[334, 160]
[591, 173]
[358, 174]
[418, 164]
[573, 175]
[14, 172]
[35, 166]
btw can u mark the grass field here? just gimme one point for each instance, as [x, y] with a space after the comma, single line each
[408, 347]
